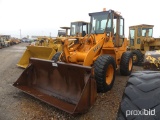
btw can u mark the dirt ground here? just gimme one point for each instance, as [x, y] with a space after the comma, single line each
[16, 105]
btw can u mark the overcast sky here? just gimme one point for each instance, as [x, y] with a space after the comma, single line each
[42, 17]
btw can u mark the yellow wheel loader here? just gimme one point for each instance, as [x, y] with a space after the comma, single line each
[72, 79]
[2, 43]
[144, 46]
[6, 40]
[46, 47]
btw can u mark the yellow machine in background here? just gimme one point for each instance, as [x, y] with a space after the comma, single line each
[45, 41]
[6, 40]
[71, 80]
[2, 42]
[14, 41]
[46, 47]
[143, 87]
[144, 46]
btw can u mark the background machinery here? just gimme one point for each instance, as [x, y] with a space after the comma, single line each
[2, 43]
[141, 41]
[42, 49]
[71, 80]
[14, 41]
[140, 100]
[5, 39]
[46, 47]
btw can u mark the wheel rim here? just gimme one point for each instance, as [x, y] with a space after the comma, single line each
[135, 58]
[130, 64]
[109, 74]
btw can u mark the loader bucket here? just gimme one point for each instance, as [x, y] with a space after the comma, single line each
[41, 52]
[152, 60]
[68, 87]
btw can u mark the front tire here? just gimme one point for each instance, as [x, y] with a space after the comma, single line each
[126, 63]
[56, 56]
[104, 71]
[137, 57]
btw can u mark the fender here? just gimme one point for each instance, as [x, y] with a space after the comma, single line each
[88, 61]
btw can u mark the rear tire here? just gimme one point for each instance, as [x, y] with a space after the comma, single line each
[137, 57]
[142, 92]
[104, 71]
[55, 58]
[126, 63]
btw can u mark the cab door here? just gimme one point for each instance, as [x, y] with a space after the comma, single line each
[132, 36]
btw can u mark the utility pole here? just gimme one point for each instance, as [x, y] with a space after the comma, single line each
[50, 34]
[20, 34]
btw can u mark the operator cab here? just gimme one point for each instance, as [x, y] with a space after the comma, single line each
[109, 22]
[138, 32]
[79, 28]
